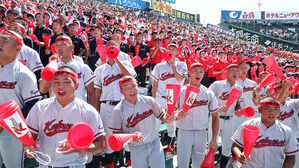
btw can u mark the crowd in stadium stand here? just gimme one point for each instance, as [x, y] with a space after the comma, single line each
[90, 24]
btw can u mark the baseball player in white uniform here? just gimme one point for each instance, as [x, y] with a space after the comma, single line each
[137, 114]
[222, 90]
[174, 72]
[108, 93]
[85, 91]
[276, 144]
[248, 87]
[17, 83]
[51, 119]
[192, 125]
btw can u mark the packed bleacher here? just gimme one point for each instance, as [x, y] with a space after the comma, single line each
[105, 50]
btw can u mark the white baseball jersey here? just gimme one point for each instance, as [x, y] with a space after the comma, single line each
[17, 83]
[289, 114]
[272, 145]
[164, 74]
[51, 122]
[121, 56]
[222, 90]
[85, 77]
[198, 115]
[107, 80]
[248, 86]
[140, 117]
[31, 58]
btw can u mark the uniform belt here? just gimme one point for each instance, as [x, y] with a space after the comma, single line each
[112, 103]
[225, 117]
[58, 167]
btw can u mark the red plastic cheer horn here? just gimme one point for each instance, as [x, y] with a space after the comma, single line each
[272, 64]
[145, 61]
[137, 49]
[53, 49]
[172, 94]
[12, 119]
[101, 49]
[99, 42]
[190, 96]
[209, 160]
[34, 38]
[268, 79]
[112, 52]
[247, 111]
[233, 96]
[123, 38]
[48, 72]
[118, 141]
[80, 136]
[136, 61]
[46, 39]
[167, 55]
[250, 135]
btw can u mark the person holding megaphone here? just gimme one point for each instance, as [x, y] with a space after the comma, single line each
[50, 120]
[137, 114]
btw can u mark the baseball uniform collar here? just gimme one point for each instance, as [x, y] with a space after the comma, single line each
[69, 106]
[9, 65]
[130, 104]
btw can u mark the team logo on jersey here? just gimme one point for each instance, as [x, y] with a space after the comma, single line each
[283, 115]
[132, 121]
[53, 129]
[269, 142]
[169, 96]
[224, 96]
[79, 75]
[246, 89]
[199, 103]
[17, 127]
[109, 79]
[165, 76]
[7, 85]
[191, 98]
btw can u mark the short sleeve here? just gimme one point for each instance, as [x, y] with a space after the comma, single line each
[213, 103]
[292, 146]
[238, 136]
[88, 76]
[34, 62]
[157, 108]
[28, 86]
[213, 89]
[97, 80]
[182, 68]
[95, 121]
[116, 121]
[155, 74]
[130, 68]
[32, 119]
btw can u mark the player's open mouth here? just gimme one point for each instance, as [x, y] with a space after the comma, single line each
[61, 93]
[197, 78]
[132, 94]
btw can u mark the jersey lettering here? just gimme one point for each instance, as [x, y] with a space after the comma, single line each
[245, 89]
[133, 121]
[53, 129]
[283, 115]
[224, 96]
[199, 103]
[268, 142]
[165, 76]
[7, 85]
[108, 80]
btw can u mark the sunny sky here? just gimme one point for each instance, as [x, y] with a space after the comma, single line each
[210, 10]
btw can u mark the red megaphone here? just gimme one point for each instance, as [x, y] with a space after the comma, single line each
[167, 55]
[172, 95]
[123, 38]
[46, 39]
[250, 135]
[268, 79]
[190, 97]
[48, 72]
[247, 111]
[99, 42]
[118, 141]
[145, 61]
[233, 96]
[101, 49]
[34, 38]
[137, 49]
[272, 64]
[80, 136]
[209, 160]
[11, 119]
[112, 52]
[136, 61]
[53, 49]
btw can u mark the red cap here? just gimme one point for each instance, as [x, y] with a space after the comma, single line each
[195, 65]
[173, 45]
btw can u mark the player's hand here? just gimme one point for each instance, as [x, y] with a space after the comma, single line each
[180, 115]
[65, 150]
[223, 109]
[41, 44]
[32, 149]
[286, 84]
[167, 118]
[54, 56]
[237, 113]
[213, 144]
[243, 159]
[47, 52]
[257, 90]
[140, 137]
